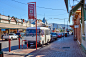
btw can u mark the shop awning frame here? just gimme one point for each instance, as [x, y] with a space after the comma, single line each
[73, 10]
[66, 3]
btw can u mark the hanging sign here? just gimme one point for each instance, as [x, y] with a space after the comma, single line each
[31, 11]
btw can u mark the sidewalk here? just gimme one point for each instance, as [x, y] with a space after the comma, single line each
[66, 47]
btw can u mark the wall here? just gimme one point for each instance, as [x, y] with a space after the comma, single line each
[84, 39]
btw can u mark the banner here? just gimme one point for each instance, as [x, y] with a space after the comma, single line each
[31, 11]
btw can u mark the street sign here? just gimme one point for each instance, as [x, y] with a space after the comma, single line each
[31, 11]
[32, 15]
[76, 26]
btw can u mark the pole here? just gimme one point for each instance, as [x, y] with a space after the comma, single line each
[9, 44]
[36, 26]
[67, 24]
[19, 42]
[36, 34]
[82, 11]
[64, 25]
[64, 28]
[36, 22]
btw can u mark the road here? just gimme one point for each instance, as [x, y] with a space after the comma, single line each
[14, 44]
[63, 47]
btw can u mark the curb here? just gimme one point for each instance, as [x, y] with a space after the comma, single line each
[9, 53]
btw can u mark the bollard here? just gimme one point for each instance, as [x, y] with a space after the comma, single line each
[19, 41]
[22, 43]
[9, 44]
[27, 44]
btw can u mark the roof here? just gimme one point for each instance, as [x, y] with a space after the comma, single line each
[44, 20]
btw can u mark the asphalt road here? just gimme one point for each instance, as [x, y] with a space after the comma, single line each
[14, 45]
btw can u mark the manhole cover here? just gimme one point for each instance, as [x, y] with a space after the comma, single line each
[65, 47]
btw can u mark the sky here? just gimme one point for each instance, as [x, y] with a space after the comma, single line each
[19, 9]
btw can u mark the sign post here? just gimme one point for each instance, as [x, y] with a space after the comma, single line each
[32, 15]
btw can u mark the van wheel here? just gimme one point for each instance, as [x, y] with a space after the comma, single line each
[55, 38]
[48, 42]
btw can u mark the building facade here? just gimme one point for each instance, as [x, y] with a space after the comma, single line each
[11, 24]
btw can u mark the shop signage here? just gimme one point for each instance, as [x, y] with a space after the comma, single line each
[3, 29]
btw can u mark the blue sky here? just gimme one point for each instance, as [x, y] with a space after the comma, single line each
[12, 8]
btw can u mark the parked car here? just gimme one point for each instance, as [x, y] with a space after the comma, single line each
[66, 35]
[54, 35]
[62, 34]
[22, 34]
[59, 35]
[10, 36]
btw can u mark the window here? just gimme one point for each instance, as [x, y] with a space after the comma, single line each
[41, 32]
[30, 32]
[10, 34]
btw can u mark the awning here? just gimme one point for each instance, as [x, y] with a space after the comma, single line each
[66, 3]
[11, 26]
[75, 9]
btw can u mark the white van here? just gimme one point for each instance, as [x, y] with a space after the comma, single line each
[43, 35]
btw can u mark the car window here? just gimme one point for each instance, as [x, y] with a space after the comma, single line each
[53, 34]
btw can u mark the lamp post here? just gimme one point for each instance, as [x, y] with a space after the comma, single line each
[67, 24]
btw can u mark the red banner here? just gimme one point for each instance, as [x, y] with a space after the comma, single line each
[31, 13]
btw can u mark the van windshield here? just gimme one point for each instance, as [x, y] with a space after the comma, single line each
[10, 34]
[30, 32]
